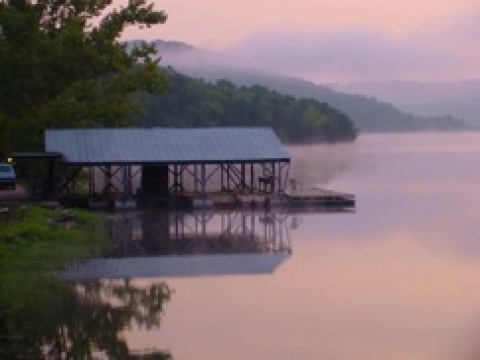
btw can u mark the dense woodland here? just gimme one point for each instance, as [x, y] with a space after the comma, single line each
[189, 102]
[57, 70]
[367, 113]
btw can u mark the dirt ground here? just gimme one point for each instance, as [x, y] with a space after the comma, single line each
[8, 195]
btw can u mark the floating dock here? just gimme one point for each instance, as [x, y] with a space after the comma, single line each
[298, 198]
[319, 197]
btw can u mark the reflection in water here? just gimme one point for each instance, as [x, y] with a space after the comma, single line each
[397, 280]
[161, 243]
[200, 232]
[83, 321]
[91, 315]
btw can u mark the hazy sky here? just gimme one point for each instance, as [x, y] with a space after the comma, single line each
[329, 40]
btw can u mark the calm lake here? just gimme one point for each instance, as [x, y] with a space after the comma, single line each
[397, 278]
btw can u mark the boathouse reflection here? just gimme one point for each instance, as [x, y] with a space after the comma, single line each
[200, 243]
[199, 232]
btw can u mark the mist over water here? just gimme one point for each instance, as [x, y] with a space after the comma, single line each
[320, 165]
[396, 279]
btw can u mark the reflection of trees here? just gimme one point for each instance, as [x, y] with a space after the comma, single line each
[84, 321]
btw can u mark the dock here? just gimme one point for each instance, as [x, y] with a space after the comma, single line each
[296, 199]
[125, 168]
[299, 198]
[306, 197]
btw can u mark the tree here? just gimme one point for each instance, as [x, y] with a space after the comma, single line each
[82, 320]
[62, 65]
[192, 102]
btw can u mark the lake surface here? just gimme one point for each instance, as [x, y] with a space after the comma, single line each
[397, 278]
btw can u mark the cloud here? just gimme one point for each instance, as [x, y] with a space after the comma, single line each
[444, 51]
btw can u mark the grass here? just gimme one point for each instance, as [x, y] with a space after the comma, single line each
[34, 245]
[39, 241]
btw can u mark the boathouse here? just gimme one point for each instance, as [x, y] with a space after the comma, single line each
[196, 165]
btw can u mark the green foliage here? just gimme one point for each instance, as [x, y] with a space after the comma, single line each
[59, 70]
[32, 246]
[44, 317]
[190, 102]
[35, 242]
[83, 320]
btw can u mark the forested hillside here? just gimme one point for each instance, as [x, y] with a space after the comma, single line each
[457, 98]
[367, 113]
[189, 102]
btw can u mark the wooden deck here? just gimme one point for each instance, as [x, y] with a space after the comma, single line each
[298, 198]
[319, 197]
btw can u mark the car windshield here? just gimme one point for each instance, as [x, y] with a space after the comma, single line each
[5, 169]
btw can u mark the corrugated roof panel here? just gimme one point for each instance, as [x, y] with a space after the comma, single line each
[165, 145]
[173, 266]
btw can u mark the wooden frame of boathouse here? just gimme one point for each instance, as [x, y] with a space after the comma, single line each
[166, 163]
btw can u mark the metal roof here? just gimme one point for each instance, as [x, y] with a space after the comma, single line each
[175, 266]
[165, 145]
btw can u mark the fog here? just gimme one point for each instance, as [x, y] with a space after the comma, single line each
[445, 50]
[448, 52]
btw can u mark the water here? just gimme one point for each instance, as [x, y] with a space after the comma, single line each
[396, 279]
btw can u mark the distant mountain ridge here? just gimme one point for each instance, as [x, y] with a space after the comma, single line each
[456, 98]
[367, 113]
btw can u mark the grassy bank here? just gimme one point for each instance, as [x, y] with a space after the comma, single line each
[45, 239]
[44, 317]
[35, 241]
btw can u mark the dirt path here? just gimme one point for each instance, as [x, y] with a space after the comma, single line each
[19, 194]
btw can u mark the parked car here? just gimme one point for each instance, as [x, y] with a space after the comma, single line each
[7, 176]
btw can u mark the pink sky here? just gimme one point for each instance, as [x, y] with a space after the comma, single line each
[339, 39]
